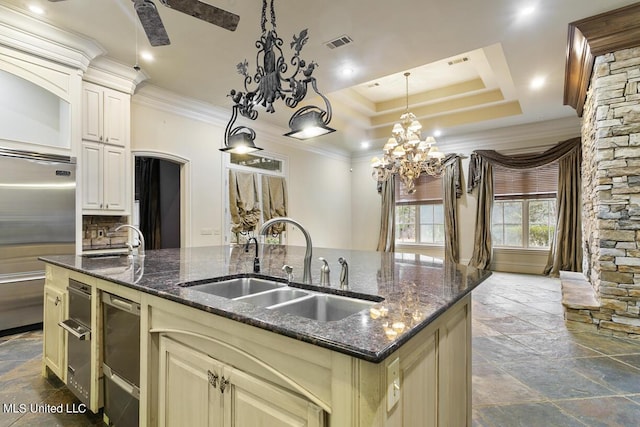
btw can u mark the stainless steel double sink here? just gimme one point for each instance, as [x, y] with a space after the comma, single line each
[278, 296]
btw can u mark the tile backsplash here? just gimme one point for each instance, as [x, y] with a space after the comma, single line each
[98, 232]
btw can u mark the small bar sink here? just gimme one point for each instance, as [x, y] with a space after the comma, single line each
[273, 297]
[324, 308]
[234, 288]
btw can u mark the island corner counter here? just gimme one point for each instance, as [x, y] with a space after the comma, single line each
[208, 360]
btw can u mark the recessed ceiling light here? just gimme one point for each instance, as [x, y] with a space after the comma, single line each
[36, 9]
[147, 56]
[348, 71]
[526, 11]
[365, 144]
[537, 83]
[437, 133]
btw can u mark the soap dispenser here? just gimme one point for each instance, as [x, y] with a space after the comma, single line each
[324, 273]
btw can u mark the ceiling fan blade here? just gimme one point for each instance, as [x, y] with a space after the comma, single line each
[151, 22]
[205, 12]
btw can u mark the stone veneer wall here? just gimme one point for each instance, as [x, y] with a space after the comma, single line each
[611, 190]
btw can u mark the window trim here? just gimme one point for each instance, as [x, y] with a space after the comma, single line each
[402, 244]
[525, 223]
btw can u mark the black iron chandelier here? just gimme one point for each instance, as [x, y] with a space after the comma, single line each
[271, 84]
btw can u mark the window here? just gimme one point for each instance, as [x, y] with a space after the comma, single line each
[524, 207]
[517, 222]
[263, 165]
[420, 216]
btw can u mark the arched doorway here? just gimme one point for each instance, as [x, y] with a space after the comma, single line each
[160, 206]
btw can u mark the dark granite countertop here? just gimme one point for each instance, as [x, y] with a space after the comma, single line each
[416, 289]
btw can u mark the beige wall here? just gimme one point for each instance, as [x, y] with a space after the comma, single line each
[333, 196]
[529, 138]
[319, 186]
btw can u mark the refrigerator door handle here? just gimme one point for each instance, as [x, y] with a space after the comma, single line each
[5, 278]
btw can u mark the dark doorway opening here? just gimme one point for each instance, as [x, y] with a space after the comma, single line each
[157, 195]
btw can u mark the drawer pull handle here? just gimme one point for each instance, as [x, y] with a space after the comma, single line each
[213, 379]
[223, 384]
[75, 329]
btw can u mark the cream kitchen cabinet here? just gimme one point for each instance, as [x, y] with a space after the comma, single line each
[55, 311]
[197, 390]
[105, 115]
[104, 178]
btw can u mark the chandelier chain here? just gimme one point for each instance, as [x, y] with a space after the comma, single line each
[406, 78]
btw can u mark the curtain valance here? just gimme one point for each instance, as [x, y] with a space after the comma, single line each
[520, 161]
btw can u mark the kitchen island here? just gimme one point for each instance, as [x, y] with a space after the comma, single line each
[405, 359]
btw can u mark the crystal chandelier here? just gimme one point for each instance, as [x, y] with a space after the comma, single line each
[269, 84]
[406, 153]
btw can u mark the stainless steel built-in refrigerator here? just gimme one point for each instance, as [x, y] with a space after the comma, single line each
[37, 217]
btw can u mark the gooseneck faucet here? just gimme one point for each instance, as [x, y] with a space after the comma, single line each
[256, 260]
[140, 238]
[307, 255]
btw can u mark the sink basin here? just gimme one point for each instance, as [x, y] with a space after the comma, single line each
[273, 297]
[324, 308]
[234, 288]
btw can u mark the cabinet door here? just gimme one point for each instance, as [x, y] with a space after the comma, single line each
[92, 172]
[92, 106]
[455, 370]
[249, 401]
[116, 110]
[114, 178]
[54, 351]
[188, 393]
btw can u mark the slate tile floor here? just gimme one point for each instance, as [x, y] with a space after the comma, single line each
[529, 368]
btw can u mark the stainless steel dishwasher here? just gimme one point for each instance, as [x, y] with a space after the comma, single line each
[121, 365]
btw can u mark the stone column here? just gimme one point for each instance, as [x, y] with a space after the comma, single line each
[611, 189]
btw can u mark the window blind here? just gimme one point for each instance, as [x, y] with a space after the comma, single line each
[428, 190]
[533, 183]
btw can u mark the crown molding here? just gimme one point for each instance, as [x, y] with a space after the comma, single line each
[161, 99]
[514, 139]
[106, 72]
[508, 140]
[591, 37]
[27, 34]
[152, 96]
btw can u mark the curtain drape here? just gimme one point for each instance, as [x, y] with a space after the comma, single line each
[482, 245]
[150, 202]
[566, 248]
[566, 252]
[451, 191]
[387, 238]
[274, 201]
[243, 201]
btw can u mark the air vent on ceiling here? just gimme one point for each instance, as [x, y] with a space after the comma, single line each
[340, 41]
[458, 60]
